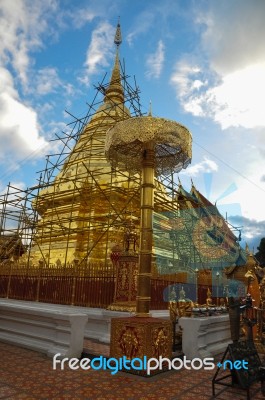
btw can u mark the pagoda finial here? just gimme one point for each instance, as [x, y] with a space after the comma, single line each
[180, 184]
[150, 109]
[247, 249]
[114, 93]
[118, 38]
[192, 184]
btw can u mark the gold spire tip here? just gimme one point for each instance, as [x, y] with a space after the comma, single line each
[150, 108]
[118, 38]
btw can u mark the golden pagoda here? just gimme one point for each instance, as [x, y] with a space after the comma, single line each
[87, 208]
[85, 212]
[82, 210]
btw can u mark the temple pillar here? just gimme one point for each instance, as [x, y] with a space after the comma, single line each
[126, 283]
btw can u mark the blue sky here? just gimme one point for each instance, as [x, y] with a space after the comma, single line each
[201, 63]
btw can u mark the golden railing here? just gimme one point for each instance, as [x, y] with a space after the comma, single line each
[91, 285]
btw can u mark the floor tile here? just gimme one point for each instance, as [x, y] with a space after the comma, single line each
[25, 374]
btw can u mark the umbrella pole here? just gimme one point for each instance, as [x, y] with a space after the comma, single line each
[146, 232]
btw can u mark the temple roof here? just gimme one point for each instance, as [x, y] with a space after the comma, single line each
[213, 240]
[202, 200]
[186, 198]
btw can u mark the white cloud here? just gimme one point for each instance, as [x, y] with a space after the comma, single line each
[100, 48]
[252, 230]
[250, 192]
[143, 23]
[183, 77]
[227, 81]
[81, 14]
[155, 18]
[19, 125]
[204, 166]
[19, 130]
[235, 101]
[21, 24]
[187, 81]
[48, 81]
[155, 61]
[233, 34]
[16, 185]
[239, 99]
[6, 83]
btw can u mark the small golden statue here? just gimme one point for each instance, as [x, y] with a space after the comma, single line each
[173, 307]
[184, 305]
[182, 294]
[209, 300]
[130, 239]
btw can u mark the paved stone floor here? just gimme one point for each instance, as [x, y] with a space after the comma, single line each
[25, 374]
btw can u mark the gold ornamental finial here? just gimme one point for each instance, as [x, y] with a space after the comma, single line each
[150, 108]
[118, 38]
[247, 249]
[114, 92]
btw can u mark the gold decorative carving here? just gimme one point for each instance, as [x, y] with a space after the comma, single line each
[184, 308]
[173, 310]
[125, 307]
[129, 342]
[125, 285]
[135, 337]
[160, 342]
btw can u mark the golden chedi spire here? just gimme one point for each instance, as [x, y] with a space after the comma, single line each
[78, 200]
[118, 38]
[115, 93]
[150, 113]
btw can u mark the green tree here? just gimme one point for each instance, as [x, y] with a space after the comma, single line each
[260, 255]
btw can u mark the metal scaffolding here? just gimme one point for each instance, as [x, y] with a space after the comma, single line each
[74, 183]
[71, 221]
